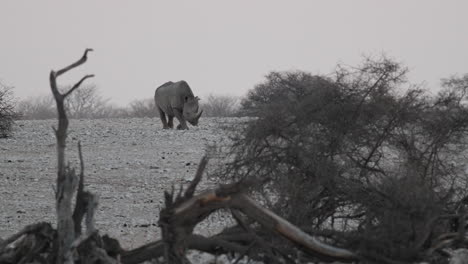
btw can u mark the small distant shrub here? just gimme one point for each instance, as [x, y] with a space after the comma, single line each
[219, 106]
[37, 108]
[84, 103]
[7, 113]
[143, 108]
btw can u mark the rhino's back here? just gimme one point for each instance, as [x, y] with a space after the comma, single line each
[172, 95]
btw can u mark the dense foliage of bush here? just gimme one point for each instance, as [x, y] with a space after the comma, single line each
[360, 157]
[7, 113]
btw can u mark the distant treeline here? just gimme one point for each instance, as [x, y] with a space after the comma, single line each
[87, 103]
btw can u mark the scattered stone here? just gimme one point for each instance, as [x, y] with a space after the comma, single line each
[128, 189]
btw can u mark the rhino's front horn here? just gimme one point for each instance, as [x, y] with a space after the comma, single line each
[199, 114]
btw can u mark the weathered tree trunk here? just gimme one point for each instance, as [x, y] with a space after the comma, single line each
[66, 178]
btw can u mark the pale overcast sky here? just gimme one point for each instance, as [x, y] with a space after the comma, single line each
[222, 47]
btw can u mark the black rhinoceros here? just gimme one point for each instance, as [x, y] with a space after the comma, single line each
[176, 99]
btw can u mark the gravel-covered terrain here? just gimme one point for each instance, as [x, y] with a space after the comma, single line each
[128, 163]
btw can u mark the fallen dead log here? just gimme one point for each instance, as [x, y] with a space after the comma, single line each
[186, 214]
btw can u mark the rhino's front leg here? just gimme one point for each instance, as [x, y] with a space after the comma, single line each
[162, 116]
[182, 124]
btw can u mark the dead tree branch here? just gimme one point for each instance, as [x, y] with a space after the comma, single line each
[275, 223]
[194, 183]
[74, 87]
[75, 64]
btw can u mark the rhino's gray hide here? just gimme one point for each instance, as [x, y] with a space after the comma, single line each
[177, 100]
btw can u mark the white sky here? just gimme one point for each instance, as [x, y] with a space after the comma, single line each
[222, 47]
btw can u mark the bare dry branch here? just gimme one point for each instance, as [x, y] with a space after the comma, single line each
[78, 84]
[276, 223]
[193, 184]
[75, 64]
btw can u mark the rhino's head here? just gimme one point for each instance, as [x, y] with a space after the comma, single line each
[191, 113]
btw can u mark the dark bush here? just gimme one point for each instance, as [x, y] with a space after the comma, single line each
[360, 152]
[7, 113]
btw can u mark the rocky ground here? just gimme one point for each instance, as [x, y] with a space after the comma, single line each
[128, 163]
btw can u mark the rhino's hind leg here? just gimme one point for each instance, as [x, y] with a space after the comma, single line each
[162, 115]
[182, 123]
[170, 123]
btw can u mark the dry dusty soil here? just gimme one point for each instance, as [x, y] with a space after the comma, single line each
[128, 163]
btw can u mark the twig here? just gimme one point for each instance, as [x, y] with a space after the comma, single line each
[77, 85]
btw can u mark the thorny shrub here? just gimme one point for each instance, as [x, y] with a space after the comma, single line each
[7, 113]
[360, 156]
